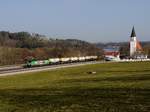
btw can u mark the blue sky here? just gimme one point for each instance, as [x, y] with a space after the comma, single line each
[90, 20]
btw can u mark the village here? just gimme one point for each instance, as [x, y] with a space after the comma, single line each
[135, 50]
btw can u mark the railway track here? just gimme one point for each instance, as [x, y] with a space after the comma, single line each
[20, 70]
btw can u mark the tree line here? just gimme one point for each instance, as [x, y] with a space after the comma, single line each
[16, 48]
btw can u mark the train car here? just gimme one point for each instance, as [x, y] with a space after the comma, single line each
[34, 63]
[81, 59]
[65, 60]
[54, 61]
[74, 59]
[93, 58]
[87, 58]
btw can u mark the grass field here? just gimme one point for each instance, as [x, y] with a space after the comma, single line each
[116, 87]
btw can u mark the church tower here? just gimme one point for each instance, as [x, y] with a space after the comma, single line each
[133, 43]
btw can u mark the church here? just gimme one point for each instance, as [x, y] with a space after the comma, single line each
[136, 51]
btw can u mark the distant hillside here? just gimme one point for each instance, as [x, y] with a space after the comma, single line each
[18, 47]
[103, 45]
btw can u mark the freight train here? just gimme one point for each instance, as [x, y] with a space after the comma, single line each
[54, 61]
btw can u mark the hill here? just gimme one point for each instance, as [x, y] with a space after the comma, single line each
[17, 47]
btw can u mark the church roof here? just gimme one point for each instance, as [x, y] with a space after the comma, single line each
[133, 34]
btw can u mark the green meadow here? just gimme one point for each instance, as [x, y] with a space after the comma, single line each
[115, 87]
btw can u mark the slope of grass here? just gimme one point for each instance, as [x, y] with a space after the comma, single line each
[116, 87]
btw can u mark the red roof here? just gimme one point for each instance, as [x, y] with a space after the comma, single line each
[112, 53]
[138, 45]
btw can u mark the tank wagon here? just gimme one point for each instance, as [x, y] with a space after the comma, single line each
[54, 61]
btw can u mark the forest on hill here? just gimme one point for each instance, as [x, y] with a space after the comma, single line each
[16, 48]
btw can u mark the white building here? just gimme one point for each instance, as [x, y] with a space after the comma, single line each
[136, 50]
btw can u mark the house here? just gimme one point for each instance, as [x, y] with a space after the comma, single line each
[112, 54]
